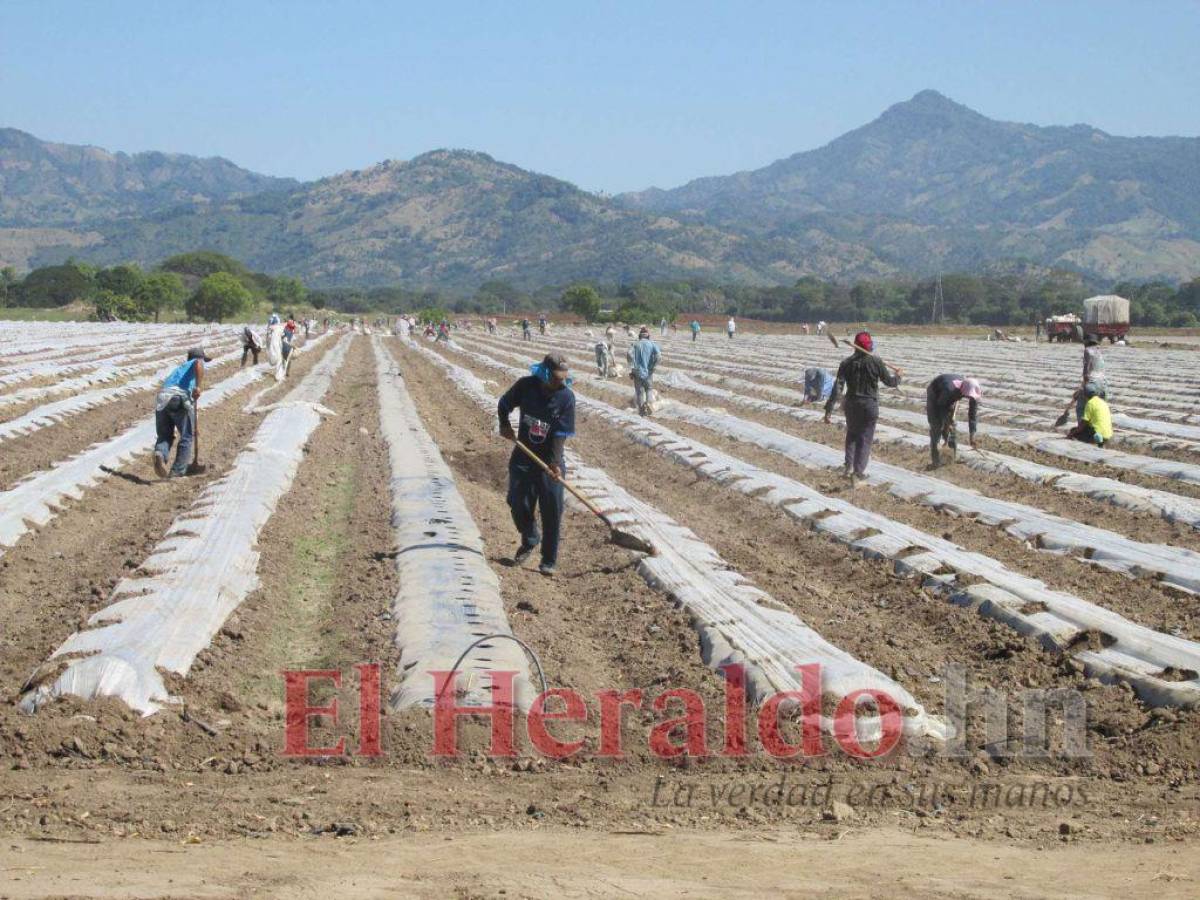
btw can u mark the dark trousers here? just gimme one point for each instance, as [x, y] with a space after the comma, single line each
[1086, 433]
[528, 489]
[941, 427]
[166, 423]
[861, 415]
[246, 351]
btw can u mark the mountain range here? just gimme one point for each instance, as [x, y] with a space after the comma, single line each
[928, 186]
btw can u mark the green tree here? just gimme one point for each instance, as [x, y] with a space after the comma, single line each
[8, 281]
[159, 291]
[110, 305]
[286, 293]
[582, 300]
[202, 263]
[218, 297]
[124, 279]
[56, 285]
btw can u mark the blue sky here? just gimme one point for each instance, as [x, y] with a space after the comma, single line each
[610, 96]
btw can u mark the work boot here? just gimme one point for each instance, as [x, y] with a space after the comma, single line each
[547, 569]
[523, 553]
[160, 465]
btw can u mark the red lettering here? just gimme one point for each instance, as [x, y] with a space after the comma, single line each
[297, 712]
[735, 709]
[692, 719]
[809, 697]
[368, 709]
[611, 703]
[535, 721]
[845, 719]
[446, 713]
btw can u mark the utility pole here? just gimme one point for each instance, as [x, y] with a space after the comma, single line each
[939, 306]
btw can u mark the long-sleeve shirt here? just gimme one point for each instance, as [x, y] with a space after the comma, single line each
[818, 384]
[547, 418]
[860, 375]
[643, 358]
[1093, 364]
[942, 394]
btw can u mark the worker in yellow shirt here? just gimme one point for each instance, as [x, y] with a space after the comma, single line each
[1095, 427]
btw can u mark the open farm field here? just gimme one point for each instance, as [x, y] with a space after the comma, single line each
[975, 680]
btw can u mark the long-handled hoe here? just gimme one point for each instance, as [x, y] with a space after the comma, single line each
[616, 535]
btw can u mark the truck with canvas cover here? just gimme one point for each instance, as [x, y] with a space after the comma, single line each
[1106, 316]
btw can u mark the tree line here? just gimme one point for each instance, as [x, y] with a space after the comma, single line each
[204, 285]
[210, 286]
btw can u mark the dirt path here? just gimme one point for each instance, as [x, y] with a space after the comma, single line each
[563, 863]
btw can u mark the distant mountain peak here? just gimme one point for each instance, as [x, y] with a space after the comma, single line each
[929, 104]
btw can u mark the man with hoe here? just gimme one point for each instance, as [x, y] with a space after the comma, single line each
[546, 407]
[175, 411]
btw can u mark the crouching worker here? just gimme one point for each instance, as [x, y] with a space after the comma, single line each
[818, 384]
[175, 410]
[547, 418]
[941, 403]
[1095, 427]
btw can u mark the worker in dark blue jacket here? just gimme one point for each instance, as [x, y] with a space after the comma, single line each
[547, 418]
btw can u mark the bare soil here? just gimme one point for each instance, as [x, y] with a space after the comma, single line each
[200, 801]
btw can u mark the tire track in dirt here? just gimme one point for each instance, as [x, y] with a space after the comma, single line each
[54, 578]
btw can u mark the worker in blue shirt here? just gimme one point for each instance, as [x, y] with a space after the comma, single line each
[547, 418]
[174, 411]
[818, 384]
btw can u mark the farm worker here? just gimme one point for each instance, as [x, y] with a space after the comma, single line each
[695, 326]
[731, 327]
[290, 326]
[941, 403]
[821, 327]
[818, 384]
[643, 357]
[1095, 427]
[547, 419]
[491, 325]
[542, 323]
[174, 411]
[275, 349]
[662, 327]
[860, 375]
[604, 358]
[443, 333]
[308, 326]
[250, 345]
[1093, 374]
[526, 333]
[273, 319]
[609, 334]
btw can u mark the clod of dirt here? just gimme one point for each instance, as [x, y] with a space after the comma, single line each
[839, 812]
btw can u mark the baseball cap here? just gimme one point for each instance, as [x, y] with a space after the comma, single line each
[198, 353]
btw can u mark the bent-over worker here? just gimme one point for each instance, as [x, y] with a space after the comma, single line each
[547, 418]
[250, 345]
[818, 384]
[174, 411]
[941, 403]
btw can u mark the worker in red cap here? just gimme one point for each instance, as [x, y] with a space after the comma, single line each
[859, 376]
[941, 403]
